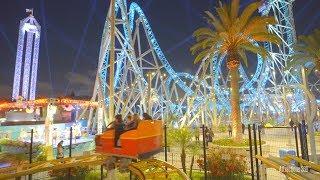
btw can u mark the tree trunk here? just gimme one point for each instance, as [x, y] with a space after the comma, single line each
[183, 160]
[191, 167]
[235, 104]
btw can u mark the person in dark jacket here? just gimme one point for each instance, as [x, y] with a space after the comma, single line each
[119, 127]
[243, 128]
[146, 116]
[291, 123]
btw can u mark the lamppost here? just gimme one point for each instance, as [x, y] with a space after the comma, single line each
[308, 116]
[149, 101]
[112, 61]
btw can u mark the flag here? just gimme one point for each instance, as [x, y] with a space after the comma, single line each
[30, 11]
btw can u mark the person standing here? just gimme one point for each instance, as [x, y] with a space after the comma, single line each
[291, 123]
[118, 129]
[230, 130]
[60, 150]
[146, 116]
[197, 134]
[54, 136]
[243, 128]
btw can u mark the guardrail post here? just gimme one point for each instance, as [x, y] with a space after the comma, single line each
[250, 148]
[70, 151]
[256, 150]
[259, 137]
[30, 151]
[165, 143]
[296, 139]
[204, 150]
[101, 172]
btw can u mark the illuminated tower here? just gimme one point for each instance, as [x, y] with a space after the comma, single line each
[27, 49]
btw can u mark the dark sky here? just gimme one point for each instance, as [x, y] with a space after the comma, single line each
[71, 31]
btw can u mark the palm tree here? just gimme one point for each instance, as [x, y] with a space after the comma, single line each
[307, 50]
[182, 139]
[194, 149]
[232, 34]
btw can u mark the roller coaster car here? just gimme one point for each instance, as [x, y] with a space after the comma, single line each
[141, 142]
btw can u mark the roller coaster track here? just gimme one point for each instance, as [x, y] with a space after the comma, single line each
[146, 169]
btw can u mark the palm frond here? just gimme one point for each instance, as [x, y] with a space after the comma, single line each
[224, 16]
[298, 60]
[215, 22]
[258, 24]
[266, 37]
[243, 56]
[202, 55]
[248, 12]
[204, 44]
[255, 49]
[234, 11]
[204, 32]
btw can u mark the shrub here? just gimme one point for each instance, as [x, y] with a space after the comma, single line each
[224, 163]
[232, 142]
[222, 128]
[77, 173]
[23, 149]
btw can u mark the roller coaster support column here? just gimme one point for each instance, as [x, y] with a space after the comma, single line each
[165, 143]
[112, 61]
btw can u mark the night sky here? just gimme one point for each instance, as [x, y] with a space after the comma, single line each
[71, 31]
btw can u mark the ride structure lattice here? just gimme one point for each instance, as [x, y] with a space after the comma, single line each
[144, 81]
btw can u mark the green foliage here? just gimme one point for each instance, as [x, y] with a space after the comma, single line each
[40, 154]
[8, 142]
[306, 50]
[170, 119]
[232, 142]
[180, 137]
[222, 128]
[231, 31]
[225, 163]
[194, 148]
[77, 173]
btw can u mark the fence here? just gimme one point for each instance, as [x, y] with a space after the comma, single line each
[276, 142]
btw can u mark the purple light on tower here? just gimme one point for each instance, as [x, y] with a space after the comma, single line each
[29, 29]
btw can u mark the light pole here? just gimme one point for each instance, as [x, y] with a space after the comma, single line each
[150, 77]
[308, 116]
[112, 56]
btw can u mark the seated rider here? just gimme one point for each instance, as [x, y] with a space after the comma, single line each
[118, 129]
[133, 122]
[146, 116]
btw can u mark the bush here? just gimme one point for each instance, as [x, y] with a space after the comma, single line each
[20, 148]
[222, 128]
[224, 163]
[231, 142]
[77, 173]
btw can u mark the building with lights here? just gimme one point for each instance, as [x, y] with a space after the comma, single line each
[25, 74]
